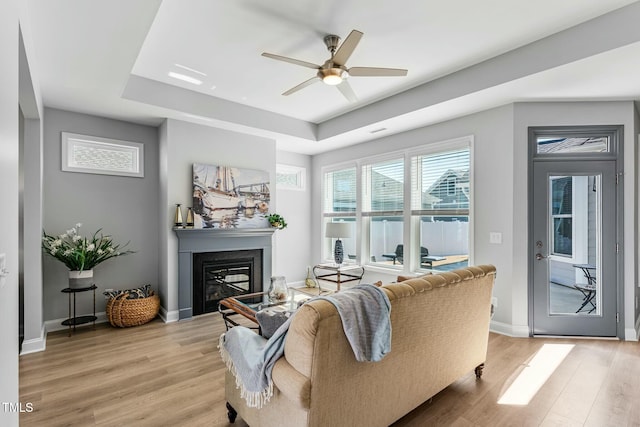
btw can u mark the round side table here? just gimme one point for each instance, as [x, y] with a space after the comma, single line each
[74, 320]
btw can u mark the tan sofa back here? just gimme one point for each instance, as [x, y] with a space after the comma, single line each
[440, 326]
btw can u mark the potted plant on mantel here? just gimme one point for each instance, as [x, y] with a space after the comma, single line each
[277, 221]
[81, 254]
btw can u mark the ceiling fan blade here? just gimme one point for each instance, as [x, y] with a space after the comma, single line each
[302, 85]
[347, 47]
[291, 60]
[376, 72]
[345, 89]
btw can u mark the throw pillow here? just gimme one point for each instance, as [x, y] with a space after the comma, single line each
[135, 293]
[270, 321]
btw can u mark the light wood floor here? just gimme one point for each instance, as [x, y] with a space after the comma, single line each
[171, 375]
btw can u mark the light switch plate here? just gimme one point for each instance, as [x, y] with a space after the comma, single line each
[495, 237]
[3, 269]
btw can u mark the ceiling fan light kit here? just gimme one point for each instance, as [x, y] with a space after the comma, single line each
[332, 76]
[334, 72]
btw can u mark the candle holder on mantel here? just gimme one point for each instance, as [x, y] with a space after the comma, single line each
[178, 216]
[189, 217]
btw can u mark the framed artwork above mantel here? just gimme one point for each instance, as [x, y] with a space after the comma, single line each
[226, 197]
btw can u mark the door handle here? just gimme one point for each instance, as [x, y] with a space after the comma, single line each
[540, 257]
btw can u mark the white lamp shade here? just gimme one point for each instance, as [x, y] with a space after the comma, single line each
[338, 229]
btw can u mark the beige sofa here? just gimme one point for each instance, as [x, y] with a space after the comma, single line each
[440, 328]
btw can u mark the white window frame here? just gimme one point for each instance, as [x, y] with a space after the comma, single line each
[362, 223]
[327, 245]
[71, 140]
[579, 225]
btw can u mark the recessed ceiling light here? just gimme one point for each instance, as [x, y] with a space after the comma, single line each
[194, 116]
[184, 67]
[184, 78]
[377, 130]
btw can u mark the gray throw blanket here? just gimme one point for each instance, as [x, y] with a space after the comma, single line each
[364, 311]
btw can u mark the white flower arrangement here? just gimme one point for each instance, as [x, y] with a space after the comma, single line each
[81, 253]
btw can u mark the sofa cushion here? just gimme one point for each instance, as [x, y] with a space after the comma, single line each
[402, 278]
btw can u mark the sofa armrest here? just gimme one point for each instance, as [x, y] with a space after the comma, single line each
[291, 383]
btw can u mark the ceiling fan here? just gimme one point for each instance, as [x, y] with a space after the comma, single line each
[334, 71]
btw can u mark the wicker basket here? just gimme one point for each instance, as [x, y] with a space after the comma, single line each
[123, 312]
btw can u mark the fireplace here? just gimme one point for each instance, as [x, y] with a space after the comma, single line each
[193, 242]
[223, 274]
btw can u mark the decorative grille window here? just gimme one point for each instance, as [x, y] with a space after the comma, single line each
[290, 177]
[92, 154]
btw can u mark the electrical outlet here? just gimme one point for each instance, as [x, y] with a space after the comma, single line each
[495, 237]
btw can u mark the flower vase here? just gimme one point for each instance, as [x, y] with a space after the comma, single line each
[309, 282]
[80, 279]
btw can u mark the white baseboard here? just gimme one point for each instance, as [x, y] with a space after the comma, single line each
[509, 330]
[632, 334]
[35, 345]
[169, 316]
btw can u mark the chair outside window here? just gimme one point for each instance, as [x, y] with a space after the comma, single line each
[588, 289]
[398, 256]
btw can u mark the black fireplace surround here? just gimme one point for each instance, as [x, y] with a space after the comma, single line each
[201, 243]
[218, 275]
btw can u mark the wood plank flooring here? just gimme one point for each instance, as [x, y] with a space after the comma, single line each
[172, 375]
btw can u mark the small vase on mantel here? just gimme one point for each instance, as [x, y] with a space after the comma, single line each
[80, 279]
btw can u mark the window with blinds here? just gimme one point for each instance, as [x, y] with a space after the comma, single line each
[440, 183]
[383, 189]
[339, 205]
[433, 208]
[340, 191]
[440, 205]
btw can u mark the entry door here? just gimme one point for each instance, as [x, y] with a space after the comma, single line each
[574, 248]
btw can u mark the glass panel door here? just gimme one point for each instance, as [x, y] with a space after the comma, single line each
[574, 255]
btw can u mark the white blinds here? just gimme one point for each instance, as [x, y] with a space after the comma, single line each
[383, 188]
[340, 191]
[440, 182]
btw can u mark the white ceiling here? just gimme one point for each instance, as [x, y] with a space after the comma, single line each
[113, 58]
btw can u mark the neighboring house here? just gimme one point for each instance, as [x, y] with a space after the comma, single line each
[450, 191]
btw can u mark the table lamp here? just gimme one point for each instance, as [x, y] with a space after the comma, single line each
[337, 230]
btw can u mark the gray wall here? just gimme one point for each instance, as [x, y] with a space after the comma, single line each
[500, 193]
[181, 145]
[492, 205]
[9, 190]
[292, 247]
[123, 207]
